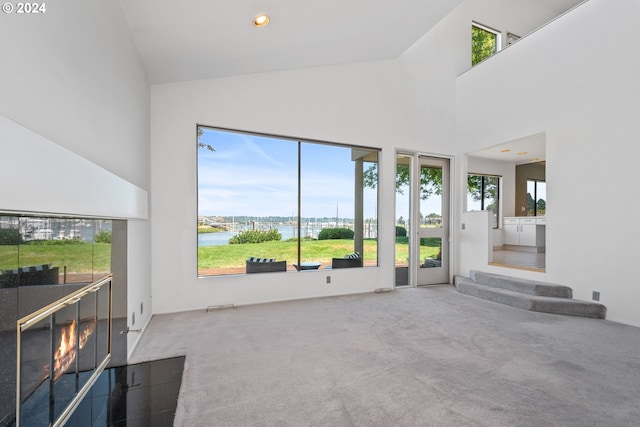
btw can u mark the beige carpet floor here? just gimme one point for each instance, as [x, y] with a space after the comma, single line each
[413, 357]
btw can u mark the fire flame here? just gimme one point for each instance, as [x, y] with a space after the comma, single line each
[65, 355]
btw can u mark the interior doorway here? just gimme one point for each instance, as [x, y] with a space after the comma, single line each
[515, 194]
[422, 220]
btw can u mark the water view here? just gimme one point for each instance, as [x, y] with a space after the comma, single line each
[288, 231]
[222, 237]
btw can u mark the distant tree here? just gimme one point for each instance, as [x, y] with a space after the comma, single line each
[483, 44]
[474, 187]
[103, 236]
[255, 236]
[335, 233]
[530, 204]
[541, 206]
[10, 236]
[202, 144]
[430, 180]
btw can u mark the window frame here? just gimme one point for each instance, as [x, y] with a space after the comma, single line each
[300, 143]
[496, 225]
[498, 40]
[535, 194]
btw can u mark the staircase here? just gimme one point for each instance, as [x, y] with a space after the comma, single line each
[527, 294]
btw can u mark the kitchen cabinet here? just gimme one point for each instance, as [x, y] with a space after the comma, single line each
[524, 231]
[511, 231]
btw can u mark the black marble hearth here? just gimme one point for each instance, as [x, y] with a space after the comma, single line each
[144, 394]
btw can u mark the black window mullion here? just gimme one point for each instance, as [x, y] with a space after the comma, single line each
[299, 204]
[535, 187]
[482, 192]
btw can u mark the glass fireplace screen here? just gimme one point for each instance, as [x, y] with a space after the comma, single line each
[61, 350]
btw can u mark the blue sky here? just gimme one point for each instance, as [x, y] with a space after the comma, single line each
[257, 176]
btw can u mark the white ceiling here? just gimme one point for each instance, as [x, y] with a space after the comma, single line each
[529, 149]
[196, 39]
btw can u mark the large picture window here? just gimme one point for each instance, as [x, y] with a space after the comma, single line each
[483, 194]
[270, 204]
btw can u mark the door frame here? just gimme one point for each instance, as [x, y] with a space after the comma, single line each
[448, 185]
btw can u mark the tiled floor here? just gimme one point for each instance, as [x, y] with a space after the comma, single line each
[144, 394]
[519, 259]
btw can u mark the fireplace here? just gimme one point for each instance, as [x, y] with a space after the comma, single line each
[61, 351]
[44, 259]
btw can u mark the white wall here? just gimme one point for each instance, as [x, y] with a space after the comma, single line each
[41, 176]
[362, 104]
[519, 17]
[507, 172]
[583, 91]
[370, 104]
[72, 78]
[138, 279]
[408, 103]
[475, 238]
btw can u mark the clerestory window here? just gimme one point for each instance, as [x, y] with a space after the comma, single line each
[485, 42]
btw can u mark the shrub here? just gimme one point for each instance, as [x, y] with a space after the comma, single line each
[255, 236]
[61, 242]
[10, 236]
[335, 233]
[401, 231]
[103, 237]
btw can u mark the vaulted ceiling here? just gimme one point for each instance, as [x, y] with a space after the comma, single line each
[196, 39]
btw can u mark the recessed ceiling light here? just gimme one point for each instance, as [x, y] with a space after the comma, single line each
[535, 159]
[506, 150]
[522, 153]
[261, 21]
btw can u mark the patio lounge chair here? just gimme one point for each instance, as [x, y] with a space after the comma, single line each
[348, 261]
[265, 265]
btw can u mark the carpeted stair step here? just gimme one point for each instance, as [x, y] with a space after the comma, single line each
[521, 285]
[544, 304]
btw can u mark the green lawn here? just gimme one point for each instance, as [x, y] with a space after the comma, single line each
[229, 256]
[317, 250]
[78, 258]
[85, 258]
[429, 248]
[207, 229]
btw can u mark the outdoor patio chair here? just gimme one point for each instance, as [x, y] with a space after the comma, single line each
[348, 261]
[265, 265]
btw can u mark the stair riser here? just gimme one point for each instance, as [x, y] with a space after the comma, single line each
[531, 302]
[540, 290]
[594, 311]
[522, 285]
[492, 296]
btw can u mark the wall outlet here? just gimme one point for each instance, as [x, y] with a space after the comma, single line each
[133, 318]
[328, 279]
[596, 296]
[141, 307]
[463, 226]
